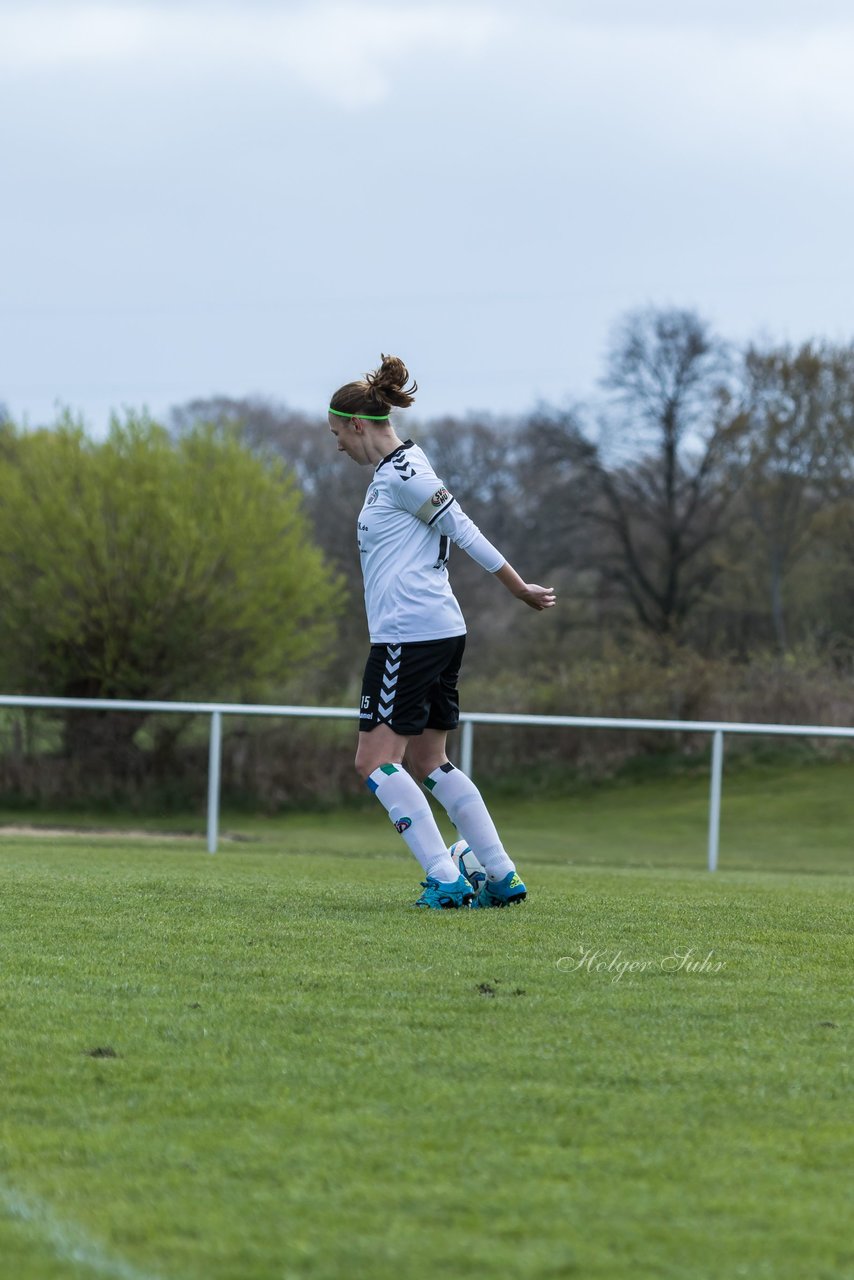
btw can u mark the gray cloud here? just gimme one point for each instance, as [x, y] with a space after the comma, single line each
[262, 197]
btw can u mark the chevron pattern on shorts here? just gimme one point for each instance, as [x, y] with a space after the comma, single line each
[385, 706]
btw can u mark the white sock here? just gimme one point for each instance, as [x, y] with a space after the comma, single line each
[413, 818]
[457, 793]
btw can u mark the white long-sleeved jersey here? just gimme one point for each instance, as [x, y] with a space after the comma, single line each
[405, 527]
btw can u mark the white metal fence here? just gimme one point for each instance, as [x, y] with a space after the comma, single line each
[468, 719]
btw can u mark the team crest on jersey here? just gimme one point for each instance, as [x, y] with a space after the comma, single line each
[372, 497]
[440, 497]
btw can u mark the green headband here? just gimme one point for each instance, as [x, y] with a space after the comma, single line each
[369, 417]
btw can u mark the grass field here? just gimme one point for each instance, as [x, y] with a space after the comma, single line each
[264, 1064]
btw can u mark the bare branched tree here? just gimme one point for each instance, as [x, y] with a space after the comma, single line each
[669, 430]
[795, 455]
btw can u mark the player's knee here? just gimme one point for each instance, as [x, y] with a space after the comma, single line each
[367, 760]
[424, 762]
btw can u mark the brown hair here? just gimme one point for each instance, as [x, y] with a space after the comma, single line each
[378, 392]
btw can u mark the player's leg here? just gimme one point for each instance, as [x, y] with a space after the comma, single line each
[379, 763]
[466, 808]
[379, 758]
[458, 795]
[427, 752]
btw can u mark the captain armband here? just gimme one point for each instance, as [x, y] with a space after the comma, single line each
[436, 505]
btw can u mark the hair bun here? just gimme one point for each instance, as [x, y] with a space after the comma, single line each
[388, 383]
[378, 392]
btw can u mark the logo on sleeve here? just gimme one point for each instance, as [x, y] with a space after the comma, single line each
[372, 497]
[401, 465]
[440, 497]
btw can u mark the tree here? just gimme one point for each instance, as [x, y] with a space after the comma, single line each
[795, 453]
[551, 483]
[147, 569]
[662, 499]
[332, 490]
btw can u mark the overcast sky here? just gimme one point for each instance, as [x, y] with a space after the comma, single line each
[259, 198]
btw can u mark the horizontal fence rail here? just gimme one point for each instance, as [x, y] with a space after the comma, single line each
[468, 719]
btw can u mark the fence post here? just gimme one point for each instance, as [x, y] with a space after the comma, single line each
[466, 747]
[715, 797]
[214, 757]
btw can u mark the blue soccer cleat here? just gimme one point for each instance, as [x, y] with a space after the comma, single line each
[458, 893]
[502, 893]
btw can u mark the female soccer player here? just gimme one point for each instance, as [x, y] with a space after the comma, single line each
[417, 631]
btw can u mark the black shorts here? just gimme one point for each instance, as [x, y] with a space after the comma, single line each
[412, 687]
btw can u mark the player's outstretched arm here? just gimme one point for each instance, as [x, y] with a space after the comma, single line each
[528, 592]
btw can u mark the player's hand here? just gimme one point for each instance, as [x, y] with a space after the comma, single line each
[537, 597]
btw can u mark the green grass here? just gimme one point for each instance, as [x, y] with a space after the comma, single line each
[312, 1080]
[775, 817]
